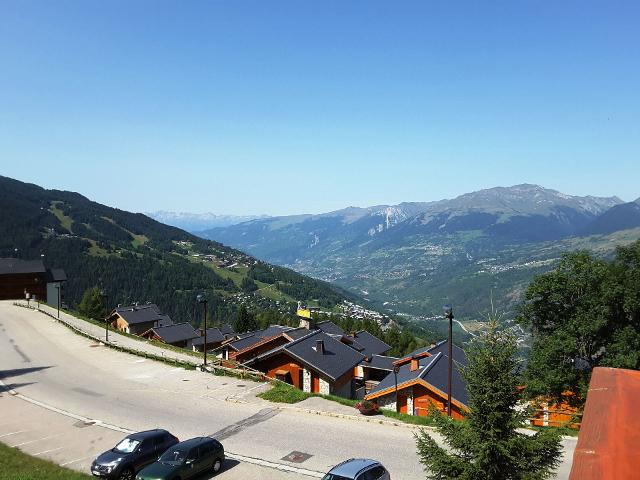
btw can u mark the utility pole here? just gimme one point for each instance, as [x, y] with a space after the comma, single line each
[103, 294]
[202, 299]
[448, 313]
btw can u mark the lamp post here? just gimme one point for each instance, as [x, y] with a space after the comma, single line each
[448, 313]
[58, 288]
[103, 294]
[202, 299]
[396, 369]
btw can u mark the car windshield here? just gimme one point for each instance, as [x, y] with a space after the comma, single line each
[173, 456]
[333, 476]
[127, 445]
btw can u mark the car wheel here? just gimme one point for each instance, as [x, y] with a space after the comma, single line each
[217, 465]
[127, 474]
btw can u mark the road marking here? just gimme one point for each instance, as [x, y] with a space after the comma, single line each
[13, 433]
[275, 465]
[47, 451]
[76, 460]
[98, 423]
[37, 440]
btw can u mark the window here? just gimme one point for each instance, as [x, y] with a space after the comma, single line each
[127, 445]
[376, 473]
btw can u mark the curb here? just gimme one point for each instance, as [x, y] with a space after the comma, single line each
[344, 416]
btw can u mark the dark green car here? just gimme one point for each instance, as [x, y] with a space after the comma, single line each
[185, 460]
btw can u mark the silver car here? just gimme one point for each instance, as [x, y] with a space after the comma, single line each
[358, 469]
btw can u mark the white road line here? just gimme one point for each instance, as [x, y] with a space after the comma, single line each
[76, 460]
[13, 433]
[277, 466]
[36, 440]
[47, 451]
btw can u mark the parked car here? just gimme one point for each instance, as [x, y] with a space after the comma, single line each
[358, 469]
[132, 454]
[185, 460]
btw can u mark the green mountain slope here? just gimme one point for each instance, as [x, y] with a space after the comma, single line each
[413, 258]
[136, 258]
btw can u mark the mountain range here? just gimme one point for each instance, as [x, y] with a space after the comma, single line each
[138, 259]
[196, 222]
[413, 257]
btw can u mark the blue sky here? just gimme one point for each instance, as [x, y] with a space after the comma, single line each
[281, 107]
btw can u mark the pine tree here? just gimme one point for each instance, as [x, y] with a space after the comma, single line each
[92, 304]
[486, 444]
[245, 321]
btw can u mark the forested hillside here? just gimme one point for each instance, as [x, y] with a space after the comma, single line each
[135, 258]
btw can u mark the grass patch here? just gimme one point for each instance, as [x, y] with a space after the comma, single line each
[569, 432]
[17, 465]
[65, 221]
[283, 393]
[403, 417]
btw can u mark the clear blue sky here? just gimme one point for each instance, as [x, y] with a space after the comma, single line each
[281, 107]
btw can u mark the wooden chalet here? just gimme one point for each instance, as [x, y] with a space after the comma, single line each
[216, 336]
[422, 380]
[19, 278]
[316, 362]
[178, 334]
[138, 319]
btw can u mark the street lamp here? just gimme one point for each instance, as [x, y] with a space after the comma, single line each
[57, 286]
[448, 313]
[396, 369]
[103, 294]
[202, 299]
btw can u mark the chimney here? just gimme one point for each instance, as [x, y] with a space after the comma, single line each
[320, 346]
[354, 334]
[414, 365]
[201, 332]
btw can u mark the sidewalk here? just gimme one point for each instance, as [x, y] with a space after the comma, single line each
[97, 333]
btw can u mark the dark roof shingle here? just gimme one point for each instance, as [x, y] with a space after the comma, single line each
[178, 332]
[336, 360]
[16, 266]
[150, 312]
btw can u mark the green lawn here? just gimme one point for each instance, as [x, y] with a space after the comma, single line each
[283, 393]
[15, 465]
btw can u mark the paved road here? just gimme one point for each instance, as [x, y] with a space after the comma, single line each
[44, 361]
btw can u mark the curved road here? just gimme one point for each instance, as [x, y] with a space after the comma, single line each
[43, 360]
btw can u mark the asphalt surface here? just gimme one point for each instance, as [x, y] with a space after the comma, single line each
[45, 362]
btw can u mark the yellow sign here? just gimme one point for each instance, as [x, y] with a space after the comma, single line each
[304, 313]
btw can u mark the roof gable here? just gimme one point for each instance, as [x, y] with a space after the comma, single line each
[135, 314]
[14, 266]
[177, 332]
[336, 360]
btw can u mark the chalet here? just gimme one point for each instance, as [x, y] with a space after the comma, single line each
[137, 319]
[230, 347]
[366, 343]
[316, 362]
[21, 277]
[178, 334]
[215, 338]
[373, 369]
[421, 381]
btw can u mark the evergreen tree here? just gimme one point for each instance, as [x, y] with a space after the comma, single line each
[92, 304]
[583, 314]
[245, 320]
[486, 444]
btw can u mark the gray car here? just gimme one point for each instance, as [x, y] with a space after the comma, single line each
[358, 469]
